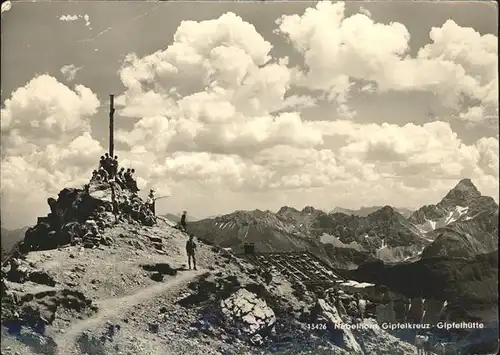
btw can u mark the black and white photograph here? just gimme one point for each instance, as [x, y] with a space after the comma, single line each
[249, 177]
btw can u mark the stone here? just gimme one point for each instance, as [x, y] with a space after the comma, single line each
[155, 239]
[256, 339]
[158, 277]
[246, 312]
[162, 268]
[158, 246]
[153, 328]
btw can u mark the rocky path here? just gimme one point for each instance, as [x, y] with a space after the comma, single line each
[118, 306]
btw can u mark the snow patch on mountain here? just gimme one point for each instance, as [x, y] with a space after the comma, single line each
[415, 257]
[330, 239]
[355, 284]
[430, 225]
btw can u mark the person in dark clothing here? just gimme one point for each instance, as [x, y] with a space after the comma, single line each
[183, 220]
[120, 174]
[120, 179]
[127, 179]
[107, 163]
[191, 252]
[127, 175]
[116, 208]
[103, 174]
[95, 176]
[151, 201]
[101, 162]
[134, 187]
[114, 166]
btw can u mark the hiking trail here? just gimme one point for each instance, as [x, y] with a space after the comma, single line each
[112, 307]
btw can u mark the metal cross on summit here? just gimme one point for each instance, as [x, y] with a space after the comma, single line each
[111, 124]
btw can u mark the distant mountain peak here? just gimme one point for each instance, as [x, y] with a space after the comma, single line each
[387, 208]
[384, 211]
[464, 190]
[286, 209]
[467, 185]
[464, 199]
[308, 209]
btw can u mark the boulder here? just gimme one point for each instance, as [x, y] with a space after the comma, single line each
[248, 315]
[157, 276]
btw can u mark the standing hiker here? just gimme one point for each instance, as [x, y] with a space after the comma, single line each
[101, 162]
[116, 208]
[120, 179]
[151, 201]
[191, 250]
[183, 221]
[114, 164]
[107, 163]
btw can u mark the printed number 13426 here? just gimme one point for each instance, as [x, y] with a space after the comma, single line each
[316, 326]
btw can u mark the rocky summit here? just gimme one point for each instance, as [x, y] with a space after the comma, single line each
[101, 274]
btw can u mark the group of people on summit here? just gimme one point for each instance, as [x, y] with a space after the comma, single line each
[108, 170]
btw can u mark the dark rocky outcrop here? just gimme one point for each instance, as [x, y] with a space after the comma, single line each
[37, 310]
[161, 268]
[68, 221]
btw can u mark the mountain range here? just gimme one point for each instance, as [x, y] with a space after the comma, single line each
[463, 223]
[365, 211]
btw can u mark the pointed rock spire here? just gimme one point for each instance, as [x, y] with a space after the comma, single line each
[463, 191]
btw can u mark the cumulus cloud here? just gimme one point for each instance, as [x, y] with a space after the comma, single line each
[86, 18]
[459, 65]
[216, 96]
[46, 145]
[430, 151]
[45, 110]
[72, 18]
[69, 71]
[215, 89]
[68, 18]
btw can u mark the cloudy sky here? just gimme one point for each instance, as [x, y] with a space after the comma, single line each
[230, 106]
